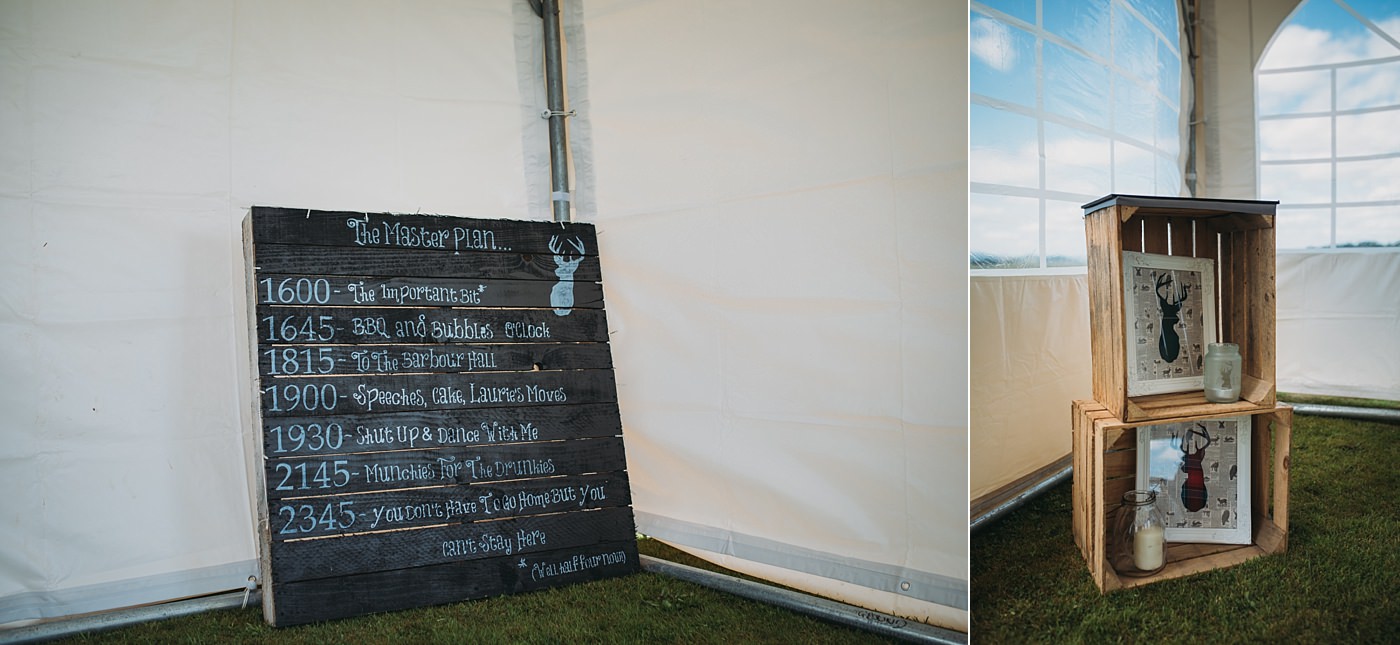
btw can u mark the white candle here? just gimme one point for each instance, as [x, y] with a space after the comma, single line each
[1147, 547]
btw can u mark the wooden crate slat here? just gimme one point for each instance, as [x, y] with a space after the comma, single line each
[366, 261]
[419, 291]
[1183, 236]
[273, 225]
[305, 435]
[283, 325]
[1155, 237]
[337, 395]
[330, 598]
[445, 358]
[403, 469]
[309, 559]
[408, 508]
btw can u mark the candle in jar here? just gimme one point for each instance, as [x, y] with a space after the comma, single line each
[1147, 547]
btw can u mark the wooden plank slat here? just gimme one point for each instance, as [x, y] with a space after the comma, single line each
[370, 291]
[413, 232]
[309, 559]
[330, 360]
[329, 598]
[417, 392]
[339, 515]
[379, 471]
[1183, 236]
[342, 325]
[1106, 242]
[342, 260]
[301, 436]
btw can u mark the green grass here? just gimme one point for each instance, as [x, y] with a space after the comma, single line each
[642, 608]
[1338, 582]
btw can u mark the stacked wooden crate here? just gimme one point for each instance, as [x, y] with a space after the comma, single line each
[1238, 236]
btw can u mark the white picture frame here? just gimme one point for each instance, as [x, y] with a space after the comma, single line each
[1200, 471]
[1169, 320]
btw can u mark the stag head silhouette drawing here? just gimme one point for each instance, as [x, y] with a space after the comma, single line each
[561, 297]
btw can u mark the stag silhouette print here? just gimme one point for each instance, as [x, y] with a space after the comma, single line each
[1168, 343]
[561, 297]
[1193, 490]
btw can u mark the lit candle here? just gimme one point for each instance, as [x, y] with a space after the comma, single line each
[1147, 547]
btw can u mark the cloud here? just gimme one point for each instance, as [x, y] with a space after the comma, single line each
[990, 42]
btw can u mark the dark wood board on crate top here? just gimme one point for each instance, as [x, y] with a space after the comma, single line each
[437, 411]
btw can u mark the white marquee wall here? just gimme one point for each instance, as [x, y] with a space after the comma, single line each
[780, 211]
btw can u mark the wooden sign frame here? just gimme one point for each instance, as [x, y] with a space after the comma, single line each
[436, 411]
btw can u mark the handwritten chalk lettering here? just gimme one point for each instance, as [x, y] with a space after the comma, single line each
[312, 475]
[289, 329]
[499, 433]
[370, 396]
[291, 397]
[296, 291]
[448, 395]
[523, 467]
[462, 508]
[591, 493]
[431, 294]
[395, 436]
[528, 500]
[433, 359]
[311, 436]
[293, 361]
[305, 518]
[458, 435]
[487, 544]
[374, 361]
[360, 293]
[478, 239]
[577, 563]
[537, 394]
[461, 329]
[495, 394]
[411, 328]
[531, 538]
[527, 330]
[369, 326]
[399, 473]
[406, 513]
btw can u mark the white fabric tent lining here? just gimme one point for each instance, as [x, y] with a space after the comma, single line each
[58, 603]
[923, 585]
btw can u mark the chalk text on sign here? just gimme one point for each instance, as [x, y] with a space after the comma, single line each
[577, 563]
[412, 236]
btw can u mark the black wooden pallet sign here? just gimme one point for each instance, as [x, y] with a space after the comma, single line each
[437, 408]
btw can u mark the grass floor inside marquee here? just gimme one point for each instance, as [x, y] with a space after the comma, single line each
[1338, 581]
[641, 608]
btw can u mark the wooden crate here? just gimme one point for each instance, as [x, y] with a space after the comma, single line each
[1105, 457]
[1239, 236]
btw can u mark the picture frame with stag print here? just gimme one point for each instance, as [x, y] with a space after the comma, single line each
[1200, 471]
[1169, 319]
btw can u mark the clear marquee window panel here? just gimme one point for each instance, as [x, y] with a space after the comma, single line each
[1328, 114]
[1070, 100]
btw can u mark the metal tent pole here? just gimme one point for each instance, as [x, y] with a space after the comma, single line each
[554, 90]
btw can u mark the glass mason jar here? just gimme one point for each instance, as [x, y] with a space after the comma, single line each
[1140, 535]
[1222, 372]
